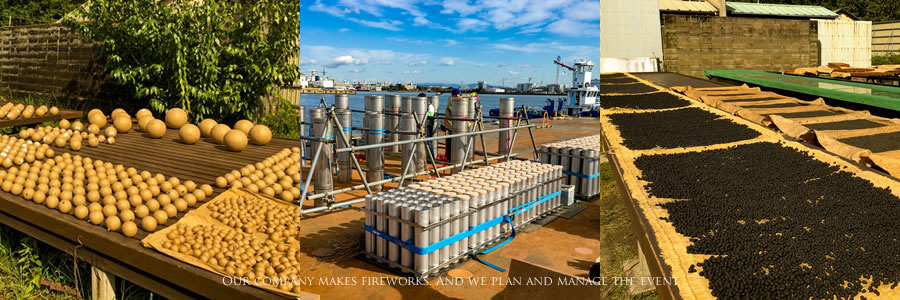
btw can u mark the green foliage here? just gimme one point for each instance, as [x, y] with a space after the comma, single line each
[285, 121]
[887, 59]
[28, 12]
[214, 59]
[865, 10]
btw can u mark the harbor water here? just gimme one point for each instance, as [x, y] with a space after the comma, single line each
[489, 101]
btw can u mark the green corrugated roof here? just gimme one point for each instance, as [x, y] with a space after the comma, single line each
[781, 10]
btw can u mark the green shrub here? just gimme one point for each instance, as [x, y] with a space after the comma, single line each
[887, 59]
[212, 58]
[285, 121]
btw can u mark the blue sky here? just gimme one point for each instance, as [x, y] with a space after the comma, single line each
[449, 41]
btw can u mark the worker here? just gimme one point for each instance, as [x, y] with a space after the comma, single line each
[448, 112]
[429, 122]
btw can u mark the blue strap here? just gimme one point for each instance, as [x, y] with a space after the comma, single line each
[377, 131]
[579, 175]
[348, 128]
[512, 235]
[522, 208]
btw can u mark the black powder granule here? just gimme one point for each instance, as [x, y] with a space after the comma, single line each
[626, 88]
[623, 79]
[845, 125]
[778, 224]
[752, 99]
[776, 105]
[807, 114]
[876, 142]
[643, 101]
[685, 127]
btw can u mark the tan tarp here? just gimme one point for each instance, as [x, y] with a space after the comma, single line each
[202, 216]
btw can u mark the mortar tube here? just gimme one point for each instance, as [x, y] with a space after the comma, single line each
[474, 219]
[463, 222]
[446, 212]
[375, 156]
[370, 238]
[458, 144]
[406, 233]
[322, 179]
[392, 109]
[421, 240]
[341, 101]
[435, 213]
[407, 123]
[591, 156]
[345, 171]
[454, 227]
[420, 108]
[394, 231]
[507, 109]
[380, 225]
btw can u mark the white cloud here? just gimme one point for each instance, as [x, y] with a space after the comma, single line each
[551, 47]
[343, 29]
[412, 72]
[328, 9]
[307, 61]
[460, 6]
[574, 28]
[513, 73]
[410, 41]
[501, 65]
[447, 61]
[357, 70]
[450, 42]
[418, 63]
[345, 60]
[467, 24]
[387, 25]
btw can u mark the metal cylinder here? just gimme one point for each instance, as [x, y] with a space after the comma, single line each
[446, 213]
[374, 103]
[381, 225]
[316, 112]
[591, 186]
[507, 109]
[406, 232]
[422, 261]
[370, 221]
[470, 126]
[392, 105]
[408, 124]
[420, 108]
[375, 156]
[460, 108]
[434, 259]
[341, 101]
[344, 163]
[393, 209]
[322, 180]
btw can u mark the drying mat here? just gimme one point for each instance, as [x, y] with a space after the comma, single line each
[202, 216]
[679, 128]
[670, 245]
[631, 88]
[653, 100]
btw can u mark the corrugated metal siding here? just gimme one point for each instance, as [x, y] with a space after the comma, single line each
[784, 10]
[687, 6]
[886, 38]
[845, 41]
[630, 29]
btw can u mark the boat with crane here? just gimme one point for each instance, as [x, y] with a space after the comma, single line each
[582, 97]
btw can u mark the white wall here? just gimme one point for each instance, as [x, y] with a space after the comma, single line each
[630, 29]
[845, 41]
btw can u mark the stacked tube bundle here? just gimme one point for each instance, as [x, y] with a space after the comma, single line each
[581, 159]
[430, 225]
